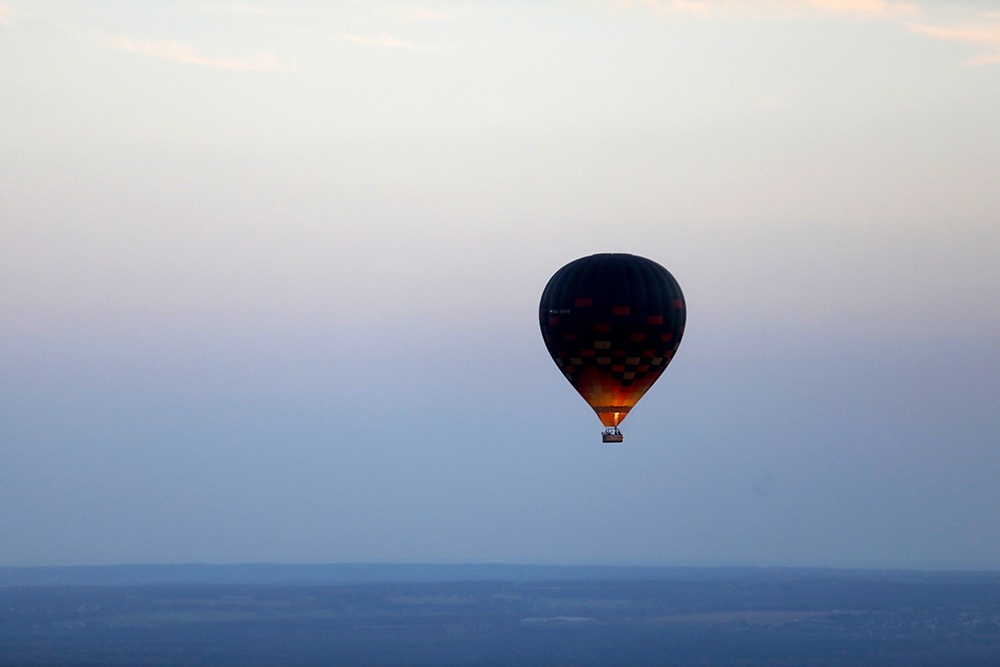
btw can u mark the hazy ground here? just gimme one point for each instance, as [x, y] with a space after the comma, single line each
[670, 617]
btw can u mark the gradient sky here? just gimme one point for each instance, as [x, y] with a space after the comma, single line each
[269, 277]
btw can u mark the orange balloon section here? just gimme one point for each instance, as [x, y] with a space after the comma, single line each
[612, 323]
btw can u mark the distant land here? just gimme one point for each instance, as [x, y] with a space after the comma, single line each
[362, 573]
[395, 615]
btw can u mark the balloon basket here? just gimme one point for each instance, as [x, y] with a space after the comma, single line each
[612, 435]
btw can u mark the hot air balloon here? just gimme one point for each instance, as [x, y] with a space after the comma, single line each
[612, 323]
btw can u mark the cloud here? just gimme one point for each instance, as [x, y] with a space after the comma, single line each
[425, 15]
[768, 9]
[239, 9]
[382, 40]
[671, 6]
[863, 8]
[985, 36]
[982, 29]
[173, 50]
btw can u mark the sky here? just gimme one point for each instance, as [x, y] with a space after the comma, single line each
[270, 271]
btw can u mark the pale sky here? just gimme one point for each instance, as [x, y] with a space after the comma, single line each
[269, 276]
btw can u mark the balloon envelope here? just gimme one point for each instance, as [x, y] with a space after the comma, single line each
[612, 323]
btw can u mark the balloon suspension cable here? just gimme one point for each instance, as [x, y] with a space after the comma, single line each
[612, 435]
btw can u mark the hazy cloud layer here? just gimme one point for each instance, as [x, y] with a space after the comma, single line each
[960, 23]
[774, 9]
[383, 40]
[258, 10]
[985, 35]
[172, 50]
